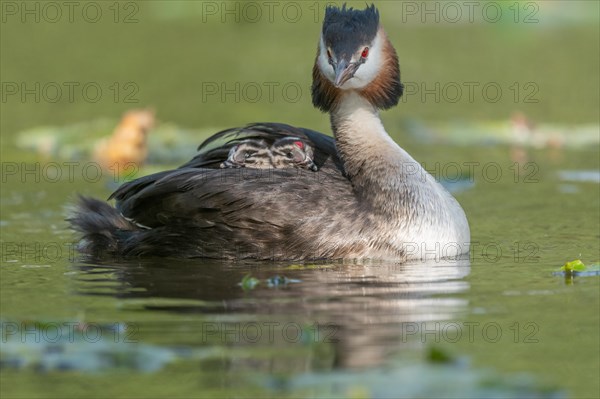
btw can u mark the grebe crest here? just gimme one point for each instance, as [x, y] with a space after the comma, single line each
[355, 54]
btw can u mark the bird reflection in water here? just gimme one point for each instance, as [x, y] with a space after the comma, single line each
[365, 312]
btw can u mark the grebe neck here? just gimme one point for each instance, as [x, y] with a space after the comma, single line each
[388, 182]
[382, 174]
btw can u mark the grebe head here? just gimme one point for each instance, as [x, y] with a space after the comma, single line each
[354, 53]
[249, 154]
[293, 152]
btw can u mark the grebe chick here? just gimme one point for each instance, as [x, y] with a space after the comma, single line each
[295, 152]
[249, 154]
[286, 152]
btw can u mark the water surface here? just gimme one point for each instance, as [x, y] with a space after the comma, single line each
[497, 324]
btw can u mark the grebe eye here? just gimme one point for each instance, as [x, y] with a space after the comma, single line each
[365, 52]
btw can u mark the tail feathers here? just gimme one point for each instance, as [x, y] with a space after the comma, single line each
[101, 225]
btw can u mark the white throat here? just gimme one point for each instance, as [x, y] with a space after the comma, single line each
[417, 207]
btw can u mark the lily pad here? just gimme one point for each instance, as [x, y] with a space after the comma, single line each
[578, 268]
[573, 266]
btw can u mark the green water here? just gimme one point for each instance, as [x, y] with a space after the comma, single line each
[334, 329]
[498, 325]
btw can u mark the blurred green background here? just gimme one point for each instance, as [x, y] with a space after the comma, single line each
[171, 53]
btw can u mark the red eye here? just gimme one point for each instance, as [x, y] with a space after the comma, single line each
[299, 144]
[365, 52]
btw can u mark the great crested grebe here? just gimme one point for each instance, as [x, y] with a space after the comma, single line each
[287, 152]
[369, 200]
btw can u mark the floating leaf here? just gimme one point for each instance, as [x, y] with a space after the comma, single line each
[573, 266]
[249, 283]
[277, 281]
